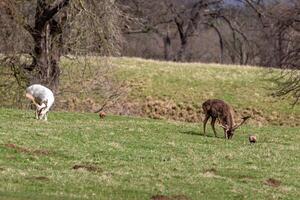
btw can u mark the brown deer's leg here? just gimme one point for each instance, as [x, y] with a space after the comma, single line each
[225, 134]
[213, 121]
[204, 123]
[36, 114]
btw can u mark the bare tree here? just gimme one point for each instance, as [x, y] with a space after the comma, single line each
[168, 20]
[52, 28]
[187, 20]
[280, 28]
[149, 17]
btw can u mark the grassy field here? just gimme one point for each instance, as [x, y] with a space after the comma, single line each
[79, 156]
[166, 90]
[246, 88]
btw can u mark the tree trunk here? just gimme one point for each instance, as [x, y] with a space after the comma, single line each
[221, 43]
[167, 46]
[181, 52]
[48, 43]
[183, 36]
[46, 58]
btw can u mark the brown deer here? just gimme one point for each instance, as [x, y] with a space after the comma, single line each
[218, 109]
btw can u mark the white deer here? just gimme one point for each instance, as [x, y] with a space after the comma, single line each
[42, 97]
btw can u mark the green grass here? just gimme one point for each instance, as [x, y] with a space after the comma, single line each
[246, 88]
[242, 86]
[135, 158]
[167, 84]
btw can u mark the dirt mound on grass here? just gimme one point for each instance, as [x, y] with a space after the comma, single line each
[27, 150]
[160, 109]
[87, 167]
[191, 112]
[169, 109]
[272, 182]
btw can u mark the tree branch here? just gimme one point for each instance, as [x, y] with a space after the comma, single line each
[49, 12]
[10, 9]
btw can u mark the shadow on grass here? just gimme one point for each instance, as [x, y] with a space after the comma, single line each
[27, 116]
[199, 134]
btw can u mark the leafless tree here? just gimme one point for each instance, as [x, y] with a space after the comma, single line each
[187, 20]
[279, 27]
[168, 20]
[149, 17]
[50, 29]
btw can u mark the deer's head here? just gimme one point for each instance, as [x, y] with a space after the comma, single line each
[229, 130]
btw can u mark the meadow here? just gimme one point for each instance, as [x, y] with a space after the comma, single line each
[176, 91]
[80, 156]
[162, 90]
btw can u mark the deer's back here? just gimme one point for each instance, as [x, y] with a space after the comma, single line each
[216, 108]
[41, 93]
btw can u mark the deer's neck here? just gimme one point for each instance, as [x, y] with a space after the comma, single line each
[230, 118]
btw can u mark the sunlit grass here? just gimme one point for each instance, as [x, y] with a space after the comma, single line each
[79, 156]
[189, 84]
[244, 87]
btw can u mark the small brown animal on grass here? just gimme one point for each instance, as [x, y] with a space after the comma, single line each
[102, 114]
[218, 109]
[252, 138]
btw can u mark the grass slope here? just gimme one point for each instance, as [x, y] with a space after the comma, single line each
[176, 90]
[79, 156]
[245, 88]
[163, 89]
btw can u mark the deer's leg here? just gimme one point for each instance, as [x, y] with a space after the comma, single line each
[45, 117]
[213, 121]
[225, 134]
[29, 96]
[204, 123]
[36, 114]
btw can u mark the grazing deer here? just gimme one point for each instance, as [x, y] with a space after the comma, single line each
[42, 98]
[218, 109]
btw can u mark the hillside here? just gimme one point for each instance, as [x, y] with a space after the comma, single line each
[79, 156]
[168, 90]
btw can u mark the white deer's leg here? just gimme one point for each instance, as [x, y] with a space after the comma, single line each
[45, 117]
